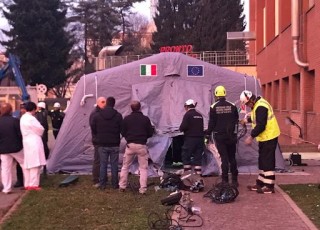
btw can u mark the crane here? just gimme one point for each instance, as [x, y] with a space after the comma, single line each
[12, 64]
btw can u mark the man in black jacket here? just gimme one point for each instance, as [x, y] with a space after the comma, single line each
[136, 129]
[18, 114]
[10, 145]
[193, 146]
[100, 104]
[57, 117]
[42, 117]
[223, 122]
[106, 127]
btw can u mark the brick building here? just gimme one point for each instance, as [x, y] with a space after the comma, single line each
[288, 63]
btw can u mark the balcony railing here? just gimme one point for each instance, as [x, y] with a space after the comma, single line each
[221, 58]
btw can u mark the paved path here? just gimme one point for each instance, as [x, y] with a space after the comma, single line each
[257, 211]
[249, 211]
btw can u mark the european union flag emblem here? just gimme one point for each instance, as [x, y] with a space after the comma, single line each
[195, 70]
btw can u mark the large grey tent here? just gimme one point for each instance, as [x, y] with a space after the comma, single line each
[162, 83]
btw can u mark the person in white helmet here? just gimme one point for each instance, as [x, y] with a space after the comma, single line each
[193, 146]
[57, 117]
[266, 130]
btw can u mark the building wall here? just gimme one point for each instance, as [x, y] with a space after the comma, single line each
[292, 90]
[248, 70]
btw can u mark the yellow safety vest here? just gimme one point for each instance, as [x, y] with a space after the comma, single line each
[272, 129]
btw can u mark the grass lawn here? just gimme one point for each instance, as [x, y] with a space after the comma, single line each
[81, 206]
[307, 197]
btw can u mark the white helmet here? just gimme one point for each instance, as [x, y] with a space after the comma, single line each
[56, 105]
[245, 96]
[41, 104]
[190, 102]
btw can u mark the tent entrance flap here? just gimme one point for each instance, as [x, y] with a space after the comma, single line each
[163, 101]
[174, 153]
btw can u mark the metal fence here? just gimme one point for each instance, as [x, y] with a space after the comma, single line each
[221, 58]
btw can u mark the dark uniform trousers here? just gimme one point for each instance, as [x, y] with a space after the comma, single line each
[192, 147]
[227, 150]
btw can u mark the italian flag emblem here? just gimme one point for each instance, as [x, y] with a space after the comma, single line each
[148, 70]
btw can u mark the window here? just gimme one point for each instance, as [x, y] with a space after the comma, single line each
[275, 95]
[310, 91]
[296, 92]
[284, 93]
[269, 92]
[285, 14]
[276, 18]
[263, 90]
[264, 27]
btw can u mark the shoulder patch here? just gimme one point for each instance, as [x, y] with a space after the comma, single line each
[231, 103]
[214, 104]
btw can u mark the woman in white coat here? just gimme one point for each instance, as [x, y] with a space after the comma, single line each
[34, 157]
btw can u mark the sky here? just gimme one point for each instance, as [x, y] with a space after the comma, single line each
[142, 8]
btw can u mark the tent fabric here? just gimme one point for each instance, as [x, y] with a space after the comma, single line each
[162, 98]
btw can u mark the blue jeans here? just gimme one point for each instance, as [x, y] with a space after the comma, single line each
[105, 154]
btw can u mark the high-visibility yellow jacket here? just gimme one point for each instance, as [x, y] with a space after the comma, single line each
[272, 129]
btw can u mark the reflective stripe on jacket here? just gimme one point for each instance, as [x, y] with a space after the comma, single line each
[272, 129]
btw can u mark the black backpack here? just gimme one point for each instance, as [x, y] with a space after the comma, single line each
[173, 182]
[222, 193]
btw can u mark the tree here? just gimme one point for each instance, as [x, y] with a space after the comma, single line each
[174, 21]
[101, 20]
[38, 38]
[215, 19]
[203, 24]
[136, 35]
[98, 22]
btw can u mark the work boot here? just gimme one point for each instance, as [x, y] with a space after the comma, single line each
[253, 187]
[265, 190]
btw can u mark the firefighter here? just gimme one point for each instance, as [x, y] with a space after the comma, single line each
[193, 146]
[266, 130]
[56, 116]
[223, 124]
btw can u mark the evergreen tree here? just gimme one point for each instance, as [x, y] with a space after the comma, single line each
[175, 22]
[38, 38]
[98, 22]
[215, 19]
[101, 20]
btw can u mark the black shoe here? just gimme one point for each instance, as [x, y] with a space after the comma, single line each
[18, 185]
[265, 190]
[115, 186]
[253, 187]
[102, 187]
